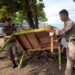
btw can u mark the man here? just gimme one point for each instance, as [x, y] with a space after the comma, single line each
[9, 28]
[68, 32]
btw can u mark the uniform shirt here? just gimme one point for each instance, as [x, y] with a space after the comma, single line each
[68, 30]
[8, 30]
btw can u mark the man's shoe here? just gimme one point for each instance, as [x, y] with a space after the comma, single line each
[14, 65]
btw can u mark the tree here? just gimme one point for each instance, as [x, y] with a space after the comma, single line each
[3, 13]
[33, 11]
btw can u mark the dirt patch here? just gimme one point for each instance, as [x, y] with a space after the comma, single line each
[36, 66]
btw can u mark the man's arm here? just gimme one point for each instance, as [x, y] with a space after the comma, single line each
[67, 28]
[62, 32]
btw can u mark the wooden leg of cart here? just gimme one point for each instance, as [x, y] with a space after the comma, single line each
[59, 57]
[51, 44]
[21, 60]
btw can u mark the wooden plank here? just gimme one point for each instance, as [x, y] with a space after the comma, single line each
[42, 34]
[48, 48]
[24, 42]
[43, 37]
[44, 40]
[45, 45]
[33, 40]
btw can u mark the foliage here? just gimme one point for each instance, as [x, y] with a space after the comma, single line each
[19, 10]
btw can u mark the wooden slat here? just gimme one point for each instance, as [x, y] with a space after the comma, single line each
[43, 37]
[44, 40]
[33, 40]
[24, 41]
[45, 45]
[42, 34]
[47, 48]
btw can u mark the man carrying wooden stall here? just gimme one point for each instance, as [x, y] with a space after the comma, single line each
[69, 33]
[9, 29]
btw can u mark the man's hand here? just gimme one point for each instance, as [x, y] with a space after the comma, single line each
[7, 37]
[51, 33]
[57, 32]
[56, 40]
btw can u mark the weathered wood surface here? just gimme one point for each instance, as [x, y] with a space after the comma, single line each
[37, 41]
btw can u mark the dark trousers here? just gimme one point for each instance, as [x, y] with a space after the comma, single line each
[13, 52]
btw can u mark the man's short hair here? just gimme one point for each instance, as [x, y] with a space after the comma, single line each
[64, 12]
[8, 19]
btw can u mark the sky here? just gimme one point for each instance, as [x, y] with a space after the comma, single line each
[52, 8]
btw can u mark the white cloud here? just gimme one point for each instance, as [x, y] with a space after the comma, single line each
[53, 7]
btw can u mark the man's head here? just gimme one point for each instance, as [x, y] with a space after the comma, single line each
[7, 21]
[64, 15]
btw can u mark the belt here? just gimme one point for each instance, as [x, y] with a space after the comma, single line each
[72, 39]
[67, 40]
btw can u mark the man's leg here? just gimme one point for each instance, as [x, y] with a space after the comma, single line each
[70, 56]
[69, 66]
[11, 55]
[15, 52]
[74, 65]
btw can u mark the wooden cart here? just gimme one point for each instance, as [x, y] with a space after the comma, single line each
[36, 40]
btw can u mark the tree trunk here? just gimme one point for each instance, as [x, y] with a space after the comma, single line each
[30, 19]
[36, 17]
[28, 12]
